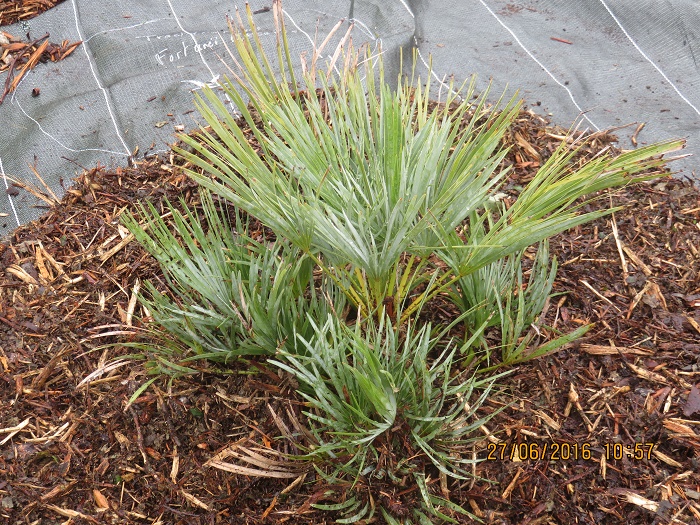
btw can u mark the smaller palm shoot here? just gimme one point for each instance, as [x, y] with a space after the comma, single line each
[233, 295]
[381, 409]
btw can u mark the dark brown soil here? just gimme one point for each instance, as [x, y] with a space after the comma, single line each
[70, 452]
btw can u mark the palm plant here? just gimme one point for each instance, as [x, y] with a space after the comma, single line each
[359, 176]
[234, 295]
[382, 409]
[380, 198]
[361, 173]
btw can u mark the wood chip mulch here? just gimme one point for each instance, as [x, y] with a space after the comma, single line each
[71, 452]
[12, 11]
[18, 57]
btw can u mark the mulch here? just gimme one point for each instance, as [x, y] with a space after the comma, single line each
[12, 11]
[562, 451]
[73, 451]
[20, 54]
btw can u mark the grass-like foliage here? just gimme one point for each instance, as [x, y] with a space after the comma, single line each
[380, 202]
[234, 295]
[358, 174]
[382, 409]
[366, 384]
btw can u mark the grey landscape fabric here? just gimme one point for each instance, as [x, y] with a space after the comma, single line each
[604, 63]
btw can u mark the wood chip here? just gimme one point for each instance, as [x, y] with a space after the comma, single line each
[100, 499]
[633, 138]
[548, 420]
[195, 501]
[175, 468]
[58, 490]
[666, 459]
[638, 500]
[511, 485]
[68, 513]
[21, 274]
[294, 484]
[693, 323]
[132, 302]
[587, 285]
[12, 431]
[679, 429]
[646, 374]
[105, 256]
[637, 261]
[613, 350]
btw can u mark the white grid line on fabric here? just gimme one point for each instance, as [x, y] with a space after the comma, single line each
[97, 80]
[647, 58]
[307, 35]
[9, 198]
[544, 68]
[440, 81]
[122, 28]
[214, 78]
[16, 101]
[408, 9]
[361, 25]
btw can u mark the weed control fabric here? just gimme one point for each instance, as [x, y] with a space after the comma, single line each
[126, 90]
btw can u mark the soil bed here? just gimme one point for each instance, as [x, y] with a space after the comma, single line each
[71, 451]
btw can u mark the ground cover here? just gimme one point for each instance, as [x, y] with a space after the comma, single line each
[75, 452]
[604, 431]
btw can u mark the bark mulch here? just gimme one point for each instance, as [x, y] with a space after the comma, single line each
[605, 431]
[12, 11]
[19, 55]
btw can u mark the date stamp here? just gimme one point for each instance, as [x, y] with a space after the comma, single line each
[567, 451]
